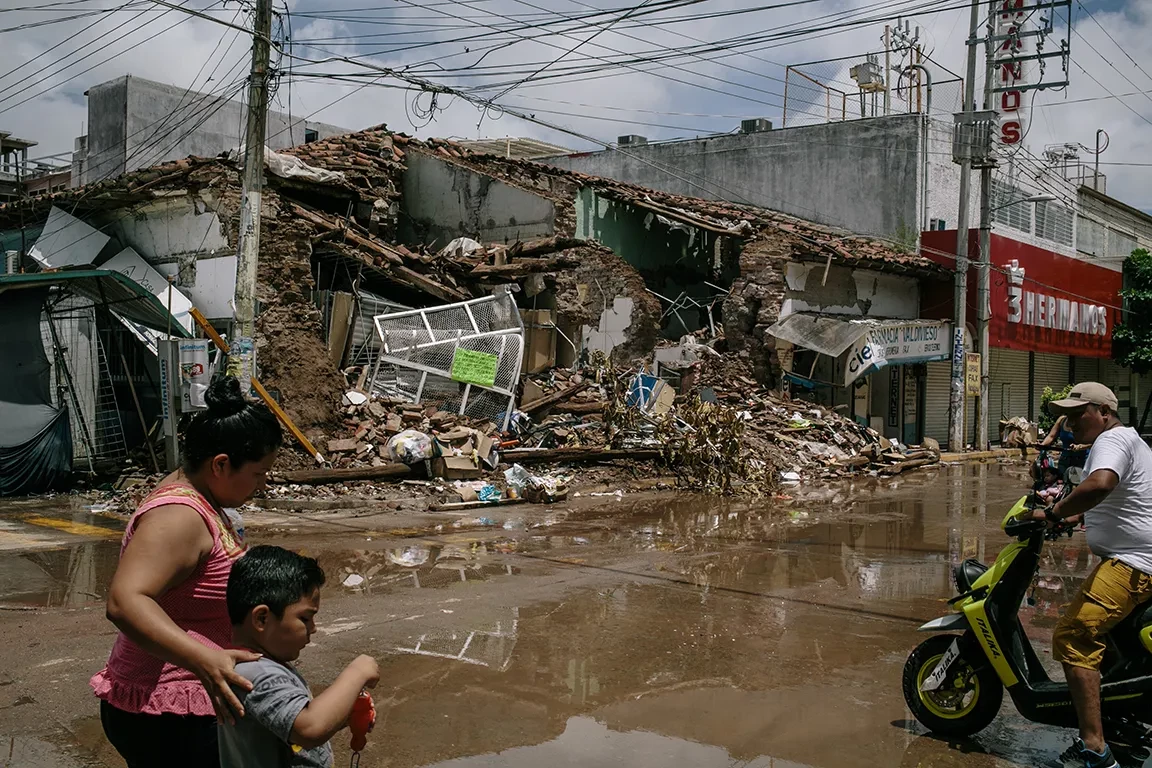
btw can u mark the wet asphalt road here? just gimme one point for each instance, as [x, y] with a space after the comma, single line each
[643, 631]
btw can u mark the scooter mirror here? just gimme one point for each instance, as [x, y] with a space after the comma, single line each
[1074, 475]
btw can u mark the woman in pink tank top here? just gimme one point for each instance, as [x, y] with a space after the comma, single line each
[167, 679]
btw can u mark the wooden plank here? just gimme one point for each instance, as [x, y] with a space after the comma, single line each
[544, 246]
[524, 267]
[590, 407]
[387, 252]
[531, 456]
[428, 285]
[322, 476]
[209, 331]
[554, 398]
[276, 409]
[457, 505]
[895, 469]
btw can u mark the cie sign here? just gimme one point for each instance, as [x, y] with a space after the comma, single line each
[1010, 72]
[1044, 311]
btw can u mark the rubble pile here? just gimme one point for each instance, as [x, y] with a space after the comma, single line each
[720, 437]
[380, 432]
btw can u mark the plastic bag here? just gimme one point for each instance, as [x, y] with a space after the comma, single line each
[410, 446]
[518, 479]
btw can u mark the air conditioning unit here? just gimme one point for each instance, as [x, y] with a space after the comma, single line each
[631, 140]
[755, 125]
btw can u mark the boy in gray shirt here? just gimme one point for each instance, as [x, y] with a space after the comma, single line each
[273, 598]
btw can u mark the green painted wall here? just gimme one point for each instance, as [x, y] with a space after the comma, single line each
[672, 259]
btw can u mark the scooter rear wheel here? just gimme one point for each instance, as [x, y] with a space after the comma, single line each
[967, 701]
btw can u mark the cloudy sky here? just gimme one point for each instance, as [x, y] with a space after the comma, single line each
[597, 68]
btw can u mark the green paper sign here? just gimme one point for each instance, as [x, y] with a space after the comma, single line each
[474, 367]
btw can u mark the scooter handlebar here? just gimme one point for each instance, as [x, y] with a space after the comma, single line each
[1060, 529]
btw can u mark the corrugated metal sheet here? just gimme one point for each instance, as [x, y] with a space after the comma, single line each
[1119, 380]
[1008, 388]
[1087, 368]
[937, 391]
[1050, 371]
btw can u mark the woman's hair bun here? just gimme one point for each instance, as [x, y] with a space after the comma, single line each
[224, 398]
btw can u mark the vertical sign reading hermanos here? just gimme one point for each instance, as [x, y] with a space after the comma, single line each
[1010, 70]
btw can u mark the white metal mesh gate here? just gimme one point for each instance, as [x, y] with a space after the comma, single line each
[422, 344]
[81, 380]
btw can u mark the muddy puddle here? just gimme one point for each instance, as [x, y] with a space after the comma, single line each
[56, 552]
[749, 634]
[666, 631]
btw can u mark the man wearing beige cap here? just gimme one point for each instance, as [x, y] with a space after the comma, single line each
[1116, 502]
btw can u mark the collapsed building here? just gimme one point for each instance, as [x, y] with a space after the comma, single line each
[374, 222]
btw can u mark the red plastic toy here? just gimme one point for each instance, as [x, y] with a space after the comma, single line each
[361, 722]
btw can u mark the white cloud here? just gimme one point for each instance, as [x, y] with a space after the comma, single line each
[623, 95]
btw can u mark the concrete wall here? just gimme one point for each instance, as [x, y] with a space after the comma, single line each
[443, 201]
[136, 123]
[859, 292]
[184, 237]
[862, 175]
[107, 124]
[1112, 230]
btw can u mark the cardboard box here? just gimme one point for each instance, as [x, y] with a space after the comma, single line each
[456, 468]
[539, 340]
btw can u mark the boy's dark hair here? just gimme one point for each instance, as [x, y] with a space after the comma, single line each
[271, 576]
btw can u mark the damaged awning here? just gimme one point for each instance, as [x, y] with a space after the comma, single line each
[108, 289]
[867, 345]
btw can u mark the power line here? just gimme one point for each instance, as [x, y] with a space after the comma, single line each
[728, 48]
[163, 122]
[100, 63]
[1121, 48]
[46, 51]
[722, 46]
[599, 31]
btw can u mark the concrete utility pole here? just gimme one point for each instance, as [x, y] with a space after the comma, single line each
[983, 266]
[253, 180]
[956, 396]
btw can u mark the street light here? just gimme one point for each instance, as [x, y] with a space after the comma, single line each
[1043, 197]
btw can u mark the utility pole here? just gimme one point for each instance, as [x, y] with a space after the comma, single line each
[983, 267]
[250, 203]
[956, 398]
[887, 70]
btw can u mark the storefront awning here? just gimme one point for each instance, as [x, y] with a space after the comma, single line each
[105, 288]
[820, 333]
[865, 346]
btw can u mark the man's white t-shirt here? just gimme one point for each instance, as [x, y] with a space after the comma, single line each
[1121, 526]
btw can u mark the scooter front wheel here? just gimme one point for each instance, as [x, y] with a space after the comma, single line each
[965, 703]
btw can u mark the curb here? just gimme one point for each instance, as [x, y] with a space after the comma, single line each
[997, 453]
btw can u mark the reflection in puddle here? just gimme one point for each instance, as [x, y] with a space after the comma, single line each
[371, 571]
[54, 578]
[488, 647]
[590, 744]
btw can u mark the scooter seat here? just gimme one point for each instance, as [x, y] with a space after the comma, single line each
[967, 572]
